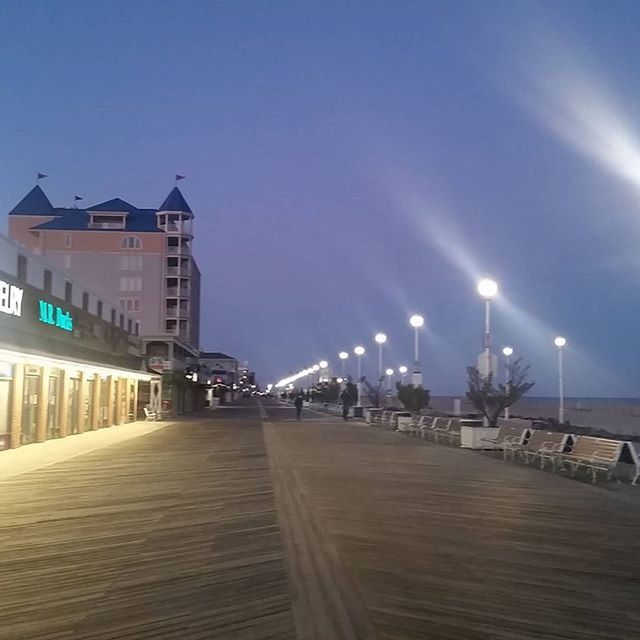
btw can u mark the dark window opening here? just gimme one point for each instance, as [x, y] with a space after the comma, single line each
[48, 281]
[22, 268]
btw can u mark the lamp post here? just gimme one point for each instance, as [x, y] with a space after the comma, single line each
[560, 342]
[359, 351]
[380, 338]
[403, 372]
[323, 364]
[416, 321]
[488, 289]
[389, 373]
[315, 368]
[507, 352]
[343, 355]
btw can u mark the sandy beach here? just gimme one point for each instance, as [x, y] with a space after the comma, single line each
[615, 415]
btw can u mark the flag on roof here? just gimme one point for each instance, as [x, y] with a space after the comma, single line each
[179, 177]
[42, 175]
[76, 198]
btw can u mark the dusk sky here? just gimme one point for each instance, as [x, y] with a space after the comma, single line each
[350, 163]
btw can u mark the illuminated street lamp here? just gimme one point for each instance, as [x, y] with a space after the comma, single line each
[343, 355]
[488, 289]
[403, 371]
[389, 373]
[323, 364]
[417, 322]
[380, 338]
[507, 352]
[561, 343]
[359, 351]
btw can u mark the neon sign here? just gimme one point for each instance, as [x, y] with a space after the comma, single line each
[10, 299]
[55, 316]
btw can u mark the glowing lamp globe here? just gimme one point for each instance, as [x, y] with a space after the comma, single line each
[380, 338]
[416, 321]
[507, 351]
[323, 364]
[343, 355]
[359, 351]
[560, 342]
[389, 372]
[402, 369]
[487, 288]
[315, 367]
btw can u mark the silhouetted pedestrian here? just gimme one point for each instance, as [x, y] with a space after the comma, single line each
[346, 399]
[298, 405]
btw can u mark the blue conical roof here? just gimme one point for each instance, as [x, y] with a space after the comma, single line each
[175, 202]
[35, 203]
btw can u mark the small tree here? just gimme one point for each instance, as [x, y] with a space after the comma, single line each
[374, 393]
[491, 401]
[413, 398]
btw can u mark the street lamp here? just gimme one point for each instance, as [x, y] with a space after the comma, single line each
[323, 364]
[380, 338]
[417, 322]
[343, 355]
[389, 373]
[403, 371]
[507, 352]
[359, 351]
[488, 289]
[560, 342]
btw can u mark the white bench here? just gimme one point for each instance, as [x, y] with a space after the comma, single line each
[634, 449]
[149, 415]
[545, 445]
[594, 454]
[508, 438]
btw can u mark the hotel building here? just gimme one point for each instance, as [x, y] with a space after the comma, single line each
[140, 257]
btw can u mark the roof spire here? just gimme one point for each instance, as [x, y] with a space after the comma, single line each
[35, 203]
[175, 202]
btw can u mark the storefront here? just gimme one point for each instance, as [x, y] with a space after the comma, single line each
[63, 369]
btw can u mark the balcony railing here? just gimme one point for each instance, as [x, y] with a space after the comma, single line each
[176, 312]
[183, 250]
[184, 270]
[175, 292]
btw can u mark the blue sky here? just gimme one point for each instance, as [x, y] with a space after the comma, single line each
[350, 163]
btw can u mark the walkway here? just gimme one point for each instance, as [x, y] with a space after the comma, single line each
[242, 526]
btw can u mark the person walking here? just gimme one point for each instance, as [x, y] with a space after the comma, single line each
[298, 405]
[346, 400]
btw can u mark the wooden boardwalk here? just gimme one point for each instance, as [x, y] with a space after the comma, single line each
[172, 535]
[237, 528]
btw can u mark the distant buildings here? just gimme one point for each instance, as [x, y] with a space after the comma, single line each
[140, 257]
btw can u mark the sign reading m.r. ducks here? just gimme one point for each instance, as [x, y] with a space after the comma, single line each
[55, 316]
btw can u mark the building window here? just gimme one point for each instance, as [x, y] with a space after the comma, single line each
[131, 242]
[129, 325]
[68, 291]
[22, 268]
[66, 261]
[85, 301]
[99, 308]
[137, 327]
[48, 280]
[131, 283]
[131, 262]
[130, 304]
[113, 316]
[122, 321]
[67, 240]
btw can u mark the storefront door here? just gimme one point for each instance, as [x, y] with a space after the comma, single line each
[74, 398]
[30, 405]
[53, 429]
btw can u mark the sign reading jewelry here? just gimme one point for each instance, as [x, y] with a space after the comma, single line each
[55, 316]
[10, 299]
